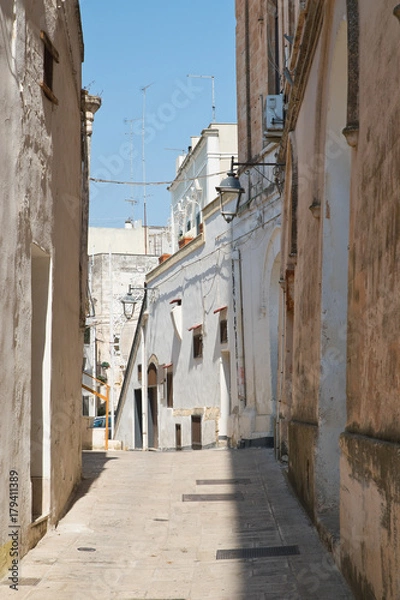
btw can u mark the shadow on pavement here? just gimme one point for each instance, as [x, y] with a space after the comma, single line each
[93, 463]
[280, 553]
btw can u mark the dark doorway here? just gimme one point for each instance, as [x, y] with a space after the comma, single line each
[178, 437]
[138, 419]
[196, 432]
[153, 412]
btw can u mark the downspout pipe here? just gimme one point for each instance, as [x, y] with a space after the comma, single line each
[145, 387]
[237, 295]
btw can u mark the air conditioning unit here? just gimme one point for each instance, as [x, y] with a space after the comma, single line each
[273, 115]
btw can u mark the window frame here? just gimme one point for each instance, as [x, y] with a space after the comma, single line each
[169, 383]
[223, 330]
[197, 342]
[50, 56]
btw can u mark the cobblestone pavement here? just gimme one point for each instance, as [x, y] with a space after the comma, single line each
[156, 525]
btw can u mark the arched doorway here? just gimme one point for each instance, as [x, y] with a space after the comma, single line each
[153, 410]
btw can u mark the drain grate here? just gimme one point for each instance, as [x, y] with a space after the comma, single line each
[262, 552]
[28, 581]
[86, 549]
[222, 481]
[211, 497]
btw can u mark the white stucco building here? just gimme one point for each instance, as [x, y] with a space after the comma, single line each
[43, 212]
[202, 369]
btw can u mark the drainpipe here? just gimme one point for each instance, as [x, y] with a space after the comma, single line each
[111, 334]
[237, 297]
[281, 366]
[145, 392]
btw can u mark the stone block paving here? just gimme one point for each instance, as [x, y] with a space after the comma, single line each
[130, 536]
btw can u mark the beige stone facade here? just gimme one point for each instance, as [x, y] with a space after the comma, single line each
[43, 216]
[340, 347]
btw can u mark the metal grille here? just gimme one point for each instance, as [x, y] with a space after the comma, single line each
[267, 551]
[222, 481]
[211, 497]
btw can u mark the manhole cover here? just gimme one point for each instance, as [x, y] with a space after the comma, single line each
[258, 552]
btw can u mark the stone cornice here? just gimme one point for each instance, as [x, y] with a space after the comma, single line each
[306, 40]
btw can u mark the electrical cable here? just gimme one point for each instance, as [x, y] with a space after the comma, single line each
[142, 183]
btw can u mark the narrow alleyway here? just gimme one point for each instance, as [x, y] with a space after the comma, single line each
[152, 525]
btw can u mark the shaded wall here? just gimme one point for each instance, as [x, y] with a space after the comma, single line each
[370, 509]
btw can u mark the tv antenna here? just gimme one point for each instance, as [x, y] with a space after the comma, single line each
[144, 91]
[130, 133]
[212, 90]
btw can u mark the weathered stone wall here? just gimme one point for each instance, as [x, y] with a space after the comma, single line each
[40, 211]
[252, 69]
[370, 516]
[342, 310]
[314, 249]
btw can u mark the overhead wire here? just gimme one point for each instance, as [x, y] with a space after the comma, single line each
[142, 183]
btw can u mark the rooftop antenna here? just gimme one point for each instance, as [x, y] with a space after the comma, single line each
[144, 91]
[212, 90]
[131, 200]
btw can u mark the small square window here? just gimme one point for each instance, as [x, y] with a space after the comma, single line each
[86, 338]
[198, 342]
[170, 388]
[223, 331]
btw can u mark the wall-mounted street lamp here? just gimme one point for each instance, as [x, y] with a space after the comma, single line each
[230, 189]
[129, 301]
[137, 295]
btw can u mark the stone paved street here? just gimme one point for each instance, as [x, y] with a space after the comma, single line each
[138, 530]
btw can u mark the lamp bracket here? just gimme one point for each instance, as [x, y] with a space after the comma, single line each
[254, 163]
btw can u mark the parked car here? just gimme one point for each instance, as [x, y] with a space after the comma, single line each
[100, 422]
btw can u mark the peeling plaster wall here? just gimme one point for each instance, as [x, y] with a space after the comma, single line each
[315, 243]
[370, 517]
[40, 212]
[346, 331]
[305, 371]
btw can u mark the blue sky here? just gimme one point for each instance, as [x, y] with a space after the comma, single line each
[129, 45]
